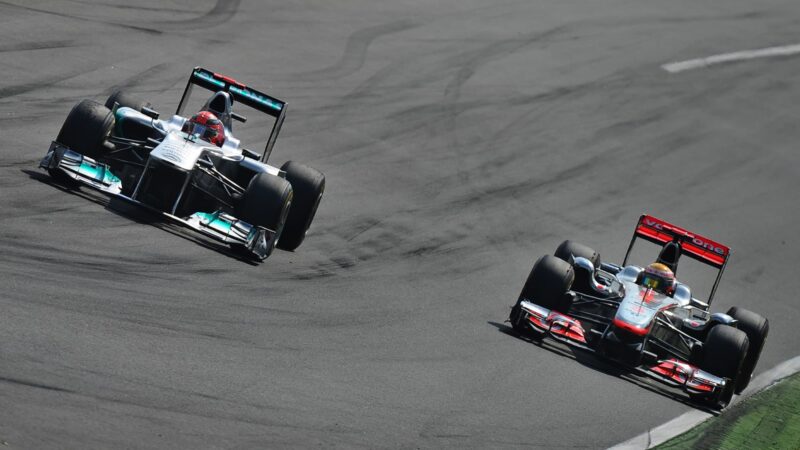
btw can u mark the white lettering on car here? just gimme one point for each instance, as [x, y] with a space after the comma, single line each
[651, 223]
[708, 246]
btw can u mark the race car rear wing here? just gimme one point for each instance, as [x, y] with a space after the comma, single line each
[240, 92]
[691, 244]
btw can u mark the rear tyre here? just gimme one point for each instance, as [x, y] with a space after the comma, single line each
[724, 352]
[125, 99]
[548, 283]
[308, 185]
[266, 202]
[576, 249]
[756, 328]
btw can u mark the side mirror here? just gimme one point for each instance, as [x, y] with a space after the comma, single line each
[238, 117]
[722, 318]
[151, 113]
[698, 304]
[610, 268]
[250, 154]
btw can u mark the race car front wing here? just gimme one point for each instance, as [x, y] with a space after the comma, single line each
[570, 331]
[259, 241]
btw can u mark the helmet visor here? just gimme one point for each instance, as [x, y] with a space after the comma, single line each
[651, 281]
[205, 133]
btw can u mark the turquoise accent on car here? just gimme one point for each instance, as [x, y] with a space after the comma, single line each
[243, 91]
[213, 220]
[119, 117]
[124, 114]
[99, 173]
[259, 98]
[209, 78]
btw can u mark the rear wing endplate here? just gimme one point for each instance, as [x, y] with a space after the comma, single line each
[692, 244]
[241, 93]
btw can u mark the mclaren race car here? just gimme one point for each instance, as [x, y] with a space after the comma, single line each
[645, 318]
[192, 170]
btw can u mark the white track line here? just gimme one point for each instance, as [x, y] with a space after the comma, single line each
[786, 50]
[686, 421]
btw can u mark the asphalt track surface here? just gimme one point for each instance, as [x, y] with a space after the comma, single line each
[461, 139]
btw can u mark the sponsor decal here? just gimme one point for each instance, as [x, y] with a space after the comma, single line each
[708, 246]
[698, 241]
[238, 88]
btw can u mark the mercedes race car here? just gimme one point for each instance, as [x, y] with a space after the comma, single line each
[192, 170]
[643, 317]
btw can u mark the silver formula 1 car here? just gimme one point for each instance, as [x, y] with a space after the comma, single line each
[197, 174]
[663, 331]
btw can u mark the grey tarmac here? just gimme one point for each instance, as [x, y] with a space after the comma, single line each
[461, 139]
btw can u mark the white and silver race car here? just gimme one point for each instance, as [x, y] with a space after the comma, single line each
[223, 191]
[612, 310]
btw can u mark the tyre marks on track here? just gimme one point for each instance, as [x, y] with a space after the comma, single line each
[222, 12]
[83, 19]
[31, 46]
[140, 8]
[142, 76]
[22, 88]
[476, 59]
[34, 384]
[355, 51]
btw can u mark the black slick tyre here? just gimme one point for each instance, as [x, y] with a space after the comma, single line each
[756, 327]
[86, 128]
[548, 283]
[724, 352]
[266, 202]
[308, 185]
[568, 249]
[122, 98]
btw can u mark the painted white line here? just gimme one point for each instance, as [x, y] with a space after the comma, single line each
[686, 421]
[786, 50]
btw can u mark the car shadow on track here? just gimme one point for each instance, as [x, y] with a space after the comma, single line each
[140, 215]
[594, 362]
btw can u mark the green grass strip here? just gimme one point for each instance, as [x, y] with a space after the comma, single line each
[767, 420]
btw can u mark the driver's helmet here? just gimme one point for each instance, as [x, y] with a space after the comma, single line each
[207, 127]
[659, 277]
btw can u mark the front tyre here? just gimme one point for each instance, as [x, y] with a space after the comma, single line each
[569, 249]
[86, 128]
[308, 185]
[756, 327]
[548, 283]
[724, 353]
[266, 203]
[123, 98]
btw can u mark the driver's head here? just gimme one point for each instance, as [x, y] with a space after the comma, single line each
[207, 127]
[659, 277]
